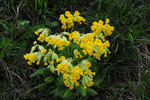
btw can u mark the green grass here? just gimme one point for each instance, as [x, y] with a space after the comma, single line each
[123, 75]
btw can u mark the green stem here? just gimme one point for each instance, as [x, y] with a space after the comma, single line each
[72, 28]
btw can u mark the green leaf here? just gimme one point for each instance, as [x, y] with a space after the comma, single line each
[5, 43]
[116, 48]
[60, 81]
[38, 86]
[122, 89]
[99, 5]
[54, 23]
[22, 23]
[98, 80]
[5, 26]
[49, 79]
[68, 95]
[97, 16]
[38, 72]
[46, 73]
[59, 91]
[92, 92]
[1, 56]
[81, 90]
[36, 4]
[131, 38]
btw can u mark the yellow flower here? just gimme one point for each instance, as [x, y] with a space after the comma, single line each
[87, 72]
[61, 16]
[98, 42]
[84, 86]
[68, 20]
[65, 82]
[70, 16]
[98, 57]
[64, 27]
[84, 51]
[29, 63]
[36, 32]
[88, 64]
[75, 69]
[51, 42]
[62, 57]
[37, 62]
[42, 35]
[61, 48]
[45, 63]
[31, 58]
[84, 20]
[80, 56]
[26, 56]
[77, 76]
[90, 84]
[44, 51]
[58, 60]
[80, 72]
[67, 43]
[69, 26]
[76, 52]
[93, 28]
[52, 62]
[77, 84]
[112, 28]
[107, 21]
[67, 13]
[76, 13]
[100, 22]
[63, 21]
[95, 23]
[105, 55]
[73, 79]
[94, 73]
[75, 19]
[71, 88]
[81, 45]
[65, 76]
[47, 39]
[104, 28]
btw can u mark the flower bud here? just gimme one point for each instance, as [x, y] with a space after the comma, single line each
[41, 48]
[33, 49]
[52, 68]
[35, 42]
[54, 56]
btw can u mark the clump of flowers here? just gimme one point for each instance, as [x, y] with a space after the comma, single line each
[67, 54]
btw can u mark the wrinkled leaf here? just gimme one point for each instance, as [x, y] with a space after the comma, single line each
[68, 95]
[54, 23]
[49, 79]
[46, 73]
[81, 90]
[59, 91]
[38, 72]
[38, 86]
[92, 92]
[59, 81]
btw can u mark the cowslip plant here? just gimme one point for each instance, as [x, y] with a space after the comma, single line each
[68, 54]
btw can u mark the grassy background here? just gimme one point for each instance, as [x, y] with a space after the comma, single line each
[128, 66]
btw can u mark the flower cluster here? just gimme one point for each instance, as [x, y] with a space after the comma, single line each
[60, 55]
[68, 19]
[99, 27]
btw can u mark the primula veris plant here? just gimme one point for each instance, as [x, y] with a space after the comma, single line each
[68, 54]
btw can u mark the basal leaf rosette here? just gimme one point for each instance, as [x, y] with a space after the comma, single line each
[67, 53]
